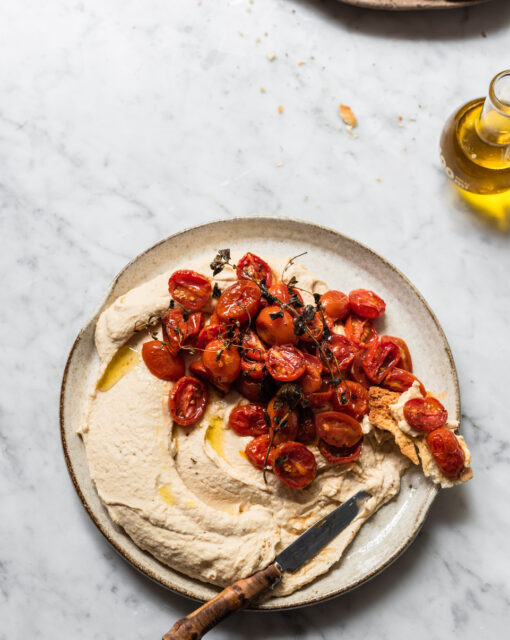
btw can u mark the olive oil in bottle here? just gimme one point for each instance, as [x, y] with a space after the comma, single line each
[475, 151]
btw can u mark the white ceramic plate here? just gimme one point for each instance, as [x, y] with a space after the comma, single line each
[340, 261]
[404, 5]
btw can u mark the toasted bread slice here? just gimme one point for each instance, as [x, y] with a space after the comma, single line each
[413, 447]
[380, 416]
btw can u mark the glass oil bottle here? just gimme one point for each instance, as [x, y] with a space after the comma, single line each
[475, 151]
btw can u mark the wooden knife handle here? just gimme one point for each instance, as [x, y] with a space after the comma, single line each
[232, 598]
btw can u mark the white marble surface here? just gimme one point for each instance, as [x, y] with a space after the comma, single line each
[124, 121]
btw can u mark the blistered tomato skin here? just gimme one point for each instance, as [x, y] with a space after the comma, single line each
[179, 328]
[252, 267]
[248, 420]
[311, 379]
[380, 359]
[366, 303]
[190, 289]
[343, 351]
[360, 331]
[446, 451]
[161, 362]
[256, 451]
[336, 305]
[338, 429]
[239, 302]
[284, 424]
[187, 400]
[400, 380]
[352, 398]
[278, 329]
[224, 363]
[405, 362]
[425, 414]
[340, 455]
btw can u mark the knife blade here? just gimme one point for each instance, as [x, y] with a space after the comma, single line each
[319, 534]
[241, 593]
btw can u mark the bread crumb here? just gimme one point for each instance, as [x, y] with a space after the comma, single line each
[347, 115]
[400, 118]
[378, 180]
[280, 109]
[300, 64]
[271, 56]
[262, 90]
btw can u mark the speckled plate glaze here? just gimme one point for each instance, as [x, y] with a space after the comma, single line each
[343, 263]
[405, 5]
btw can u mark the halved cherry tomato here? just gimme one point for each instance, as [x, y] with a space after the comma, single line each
[223, 363]
[336, 304]
[400, 380]
[285, 363]
[342, 350]
[306, 433]
[357, 371]
[360, 331]
[353, 399]
[160, 362]
[178, 327]
[248, 420]
[425, 414]
[294, 464]
[197, 369]
[366, 303]
[210, 332]
[405, 361]
[252, 347]
[252, 369]
[239, 302]
[251, 266]
[338, 429]
[189, 288]
[316, 327]
[279, 413]
[446, 451]
[277, 330]
[311, 379]
[380, 359]
[256, 451]
[340, 455]
[187, 400]
[321, 397]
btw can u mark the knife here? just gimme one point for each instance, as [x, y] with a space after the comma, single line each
[241, 593]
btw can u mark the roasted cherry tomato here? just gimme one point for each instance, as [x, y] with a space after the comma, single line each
[340, 455]
[210, 332]
[279, 413]
[357, 371]
[446, 451]
[321, 397]
[197, 369]
[294, 464]
[340, 351]
[306, 433]
[285, 363]
[316, 328]
[187, 400]
[405, 361]
[336, 304]
[425, 414]
[400, 380]
[311, 379]
[250, 388]
[278, 329]
[338, 429]
[360, 331]
[189, 288]
[284, 293]
[366, 303]
[178, 327]
[239, 302]
[252, 267]
[353, 399]
[252, 369]
[380, 359]
[160, 362]
[256, 451]
[248, 420]
[223, 363]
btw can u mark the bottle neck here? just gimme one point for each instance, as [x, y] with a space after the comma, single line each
[493, 125]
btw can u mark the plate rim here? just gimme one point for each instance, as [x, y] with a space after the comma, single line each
[125, 553]
[420, 5]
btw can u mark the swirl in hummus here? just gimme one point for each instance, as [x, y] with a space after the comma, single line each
[189, 496]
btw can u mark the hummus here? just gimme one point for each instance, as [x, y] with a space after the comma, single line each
[189, 496]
